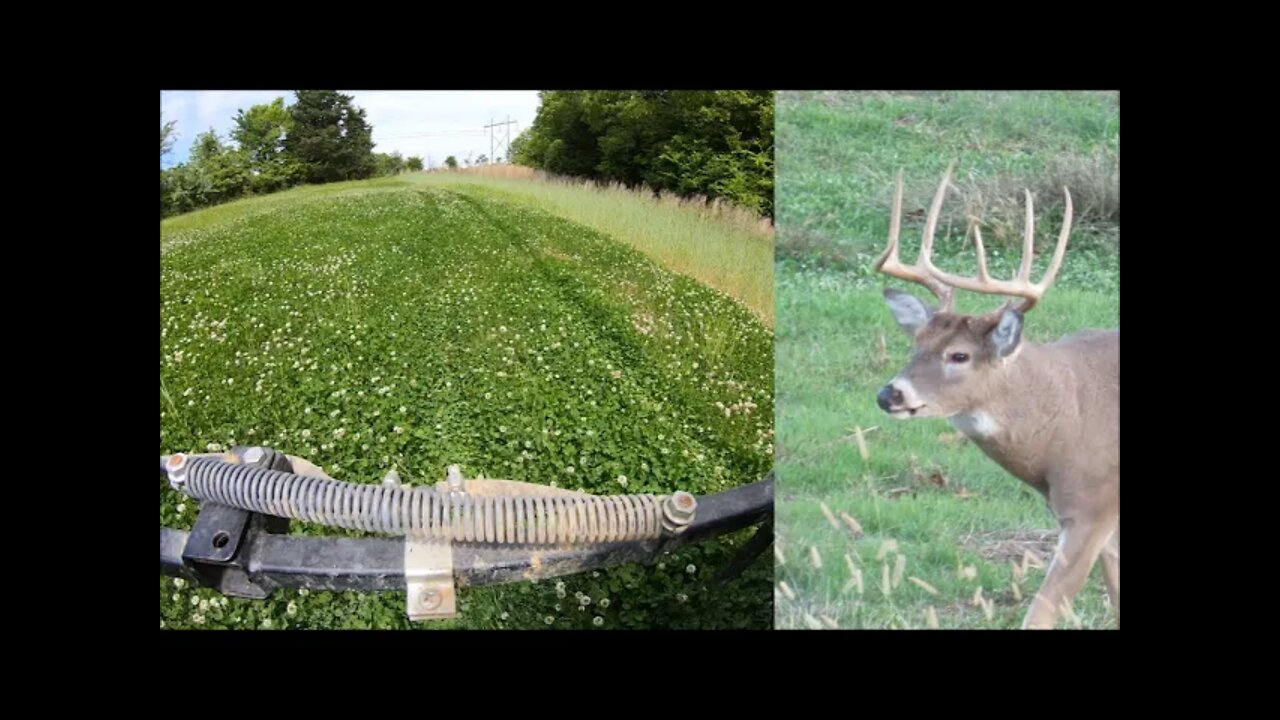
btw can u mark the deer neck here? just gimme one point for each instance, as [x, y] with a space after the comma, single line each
[1014, 422]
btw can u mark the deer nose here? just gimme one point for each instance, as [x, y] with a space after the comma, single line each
[889, 397]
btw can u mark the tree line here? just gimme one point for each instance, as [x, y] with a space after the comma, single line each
[322, 137]
[715, 143]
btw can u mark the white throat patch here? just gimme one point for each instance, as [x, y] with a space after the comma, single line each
[975, 424]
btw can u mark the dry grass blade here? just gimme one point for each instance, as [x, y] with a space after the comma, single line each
[812, 622]
[786, 590]
[854, 582]
[826, 511]
[923, 585]
[854, 526]
[815, 558]
[931, 618]
[886, 587]
[849, 563]
[828, 622]
[859, 437]
[899, 566]
[778, 556]
[1017, 593]
[886, 547]
[1030, 558]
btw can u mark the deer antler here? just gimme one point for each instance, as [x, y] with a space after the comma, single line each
[927, 274]
[889, 263]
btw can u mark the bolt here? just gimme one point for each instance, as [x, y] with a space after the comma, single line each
[678, 511]
[253, 455]
[177, 471]
[430, 599]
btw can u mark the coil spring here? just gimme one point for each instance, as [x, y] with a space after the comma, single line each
[423, 511]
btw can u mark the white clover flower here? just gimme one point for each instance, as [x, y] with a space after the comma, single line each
[604, 603]
[505, 615]
[681, 597]
[291, 608]
[304, 592]
[197, 619]
[691, 568]
[548, 619]
[622, 480]
[266, 623]
[597, 621]
[194, 601]
[179, 583]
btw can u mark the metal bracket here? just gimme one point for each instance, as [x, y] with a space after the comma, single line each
[428, 575]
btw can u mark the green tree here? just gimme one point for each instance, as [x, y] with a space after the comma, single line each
[225, 170]
[451, 162]
[711, 143]
[167, 135]
[389, 164]
[413, 164]
[330, 137]
[260, 132]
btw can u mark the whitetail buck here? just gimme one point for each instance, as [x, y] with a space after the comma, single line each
[1049, 414]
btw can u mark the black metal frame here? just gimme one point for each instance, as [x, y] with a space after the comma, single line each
[246, 554]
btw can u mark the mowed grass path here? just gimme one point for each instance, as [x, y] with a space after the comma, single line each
[719, 245]
[929, 504]
[381, 325]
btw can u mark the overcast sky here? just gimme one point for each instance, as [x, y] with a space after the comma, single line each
[432, 124]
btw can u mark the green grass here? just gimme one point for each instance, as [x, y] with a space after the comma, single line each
[379, 325]
[721, 246]
[945, 505]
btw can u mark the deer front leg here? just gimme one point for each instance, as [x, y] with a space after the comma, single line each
[1111, 570]
[1079, 545]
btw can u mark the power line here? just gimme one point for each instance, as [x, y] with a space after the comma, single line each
[506, 130]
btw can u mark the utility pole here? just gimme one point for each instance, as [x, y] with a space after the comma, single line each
[506, 130]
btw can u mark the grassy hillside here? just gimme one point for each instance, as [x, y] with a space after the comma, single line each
[387, 324]
[721, 246]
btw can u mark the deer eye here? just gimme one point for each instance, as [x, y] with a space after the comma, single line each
[958, 357]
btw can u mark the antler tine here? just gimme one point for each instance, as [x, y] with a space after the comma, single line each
[1021, 286]
[983, 275]
[1059, 252]
[890, 264]
[1028, 242]
[931, 224]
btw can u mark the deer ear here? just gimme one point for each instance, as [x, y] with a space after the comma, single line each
[910, 312]
[1005, 336]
